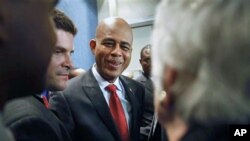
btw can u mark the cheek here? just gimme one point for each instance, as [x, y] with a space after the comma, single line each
[55, 62]
[144, 65]
[99, 58]
[51, 71]
[127, 57]
[100, 54]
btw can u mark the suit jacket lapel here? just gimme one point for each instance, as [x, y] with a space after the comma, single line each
[94, 93]
[130, 96]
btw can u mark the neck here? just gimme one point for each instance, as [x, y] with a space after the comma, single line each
[146, 75]
[111, 81]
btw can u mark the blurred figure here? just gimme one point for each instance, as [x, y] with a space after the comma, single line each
[24, 62]
[145, 62]
[103, 105]
[144, 78]
[76, 72]
[26, 41]
[28, 118]
[201, 55]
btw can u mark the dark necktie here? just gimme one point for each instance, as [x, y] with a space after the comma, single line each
[117, 112]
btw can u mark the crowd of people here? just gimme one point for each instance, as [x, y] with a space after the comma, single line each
[198, 87]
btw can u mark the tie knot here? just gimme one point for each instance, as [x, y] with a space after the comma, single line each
[111, 88]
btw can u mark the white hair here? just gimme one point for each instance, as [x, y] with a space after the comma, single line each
[210, 41]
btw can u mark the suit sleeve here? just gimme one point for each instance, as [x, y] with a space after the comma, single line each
[61, 108]
[32, 129]
[147, 115]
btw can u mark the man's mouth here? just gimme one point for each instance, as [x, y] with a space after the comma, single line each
[114, 64]
[64, 76]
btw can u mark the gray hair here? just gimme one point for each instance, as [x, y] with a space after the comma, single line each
[208, 40]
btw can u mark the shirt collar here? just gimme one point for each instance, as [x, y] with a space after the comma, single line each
[102, 82]
[45, 93]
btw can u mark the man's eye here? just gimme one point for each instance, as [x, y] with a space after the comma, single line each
[58, 51]
[108, 44]
[125, 47]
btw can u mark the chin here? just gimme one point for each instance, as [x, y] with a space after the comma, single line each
[111, 74]
[61, 88]
[58, 87]
[114, 76]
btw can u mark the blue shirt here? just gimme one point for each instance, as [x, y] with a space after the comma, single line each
[45, 93]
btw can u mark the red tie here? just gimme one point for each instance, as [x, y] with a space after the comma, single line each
[45, 101]
[117, 112]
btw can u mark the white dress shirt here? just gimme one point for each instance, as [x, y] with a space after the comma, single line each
[120, 92]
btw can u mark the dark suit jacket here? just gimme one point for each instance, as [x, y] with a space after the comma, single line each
[85, 113]
[30, 120]
[149, 110]
[5, 134]
[157, 132]
[211, 131]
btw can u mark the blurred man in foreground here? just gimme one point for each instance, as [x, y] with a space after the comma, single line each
[201, 55]
[26, 41]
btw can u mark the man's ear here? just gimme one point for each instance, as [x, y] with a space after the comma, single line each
[140, 61]
[169, 78]
[92, 45]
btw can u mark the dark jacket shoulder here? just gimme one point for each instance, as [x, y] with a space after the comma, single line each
[30, 120]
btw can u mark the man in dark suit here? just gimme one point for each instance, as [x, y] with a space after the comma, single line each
[28, 118]
[144, 78]
[26, 41]
[102, 105]
[145, 61]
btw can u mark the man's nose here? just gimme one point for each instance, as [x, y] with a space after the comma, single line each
[68, 62]
[117, 51]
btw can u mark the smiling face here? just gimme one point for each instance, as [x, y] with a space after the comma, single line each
[60, 64]
[112, 48]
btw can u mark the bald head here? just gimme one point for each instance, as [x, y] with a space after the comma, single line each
[112, 47]
[113, 24]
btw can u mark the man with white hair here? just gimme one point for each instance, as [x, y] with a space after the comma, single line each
[201, 55]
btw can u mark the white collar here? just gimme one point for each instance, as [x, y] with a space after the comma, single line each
[104, 83]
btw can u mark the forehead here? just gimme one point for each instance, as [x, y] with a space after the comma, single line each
[64, 38]
[117, 31]
[146, 52]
